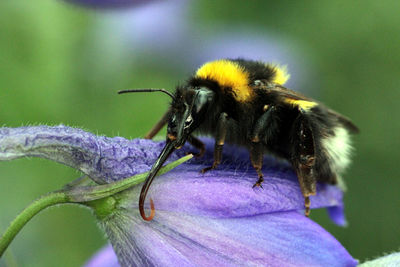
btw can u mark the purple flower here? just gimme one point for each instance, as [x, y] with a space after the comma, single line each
[201, 220]
[104, 257]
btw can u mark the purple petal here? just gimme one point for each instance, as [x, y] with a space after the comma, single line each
[336, 213]
[226, 192]
[229, 193]
[103, 159]
[105, 257]
[211, 219]
[279, 239]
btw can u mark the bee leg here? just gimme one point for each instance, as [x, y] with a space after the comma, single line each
[303, 159]
[256, 150]
[219, 141]
[197, 143]
[256, 158]
[156, 128]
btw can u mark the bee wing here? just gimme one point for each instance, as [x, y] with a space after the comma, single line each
[346, 122]
[284, 94]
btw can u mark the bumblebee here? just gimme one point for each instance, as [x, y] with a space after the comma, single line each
[244, 102]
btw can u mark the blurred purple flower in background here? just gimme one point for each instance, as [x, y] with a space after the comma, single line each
[109, 3]
[212, 219]
[164, 31]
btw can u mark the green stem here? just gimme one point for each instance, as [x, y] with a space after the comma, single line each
[89, 193]
[77, 194]
[27, 214]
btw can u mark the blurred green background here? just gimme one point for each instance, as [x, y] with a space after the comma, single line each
[61, 63]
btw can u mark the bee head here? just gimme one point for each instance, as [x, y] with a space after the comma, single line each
[189, 110]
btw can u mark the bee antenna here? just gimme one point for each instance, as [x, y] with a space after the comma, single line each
[146, 90]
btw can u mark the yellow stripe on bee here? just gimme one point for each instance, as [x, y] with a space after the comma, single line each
[303, 104]
[281, 74]
[228, 74]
